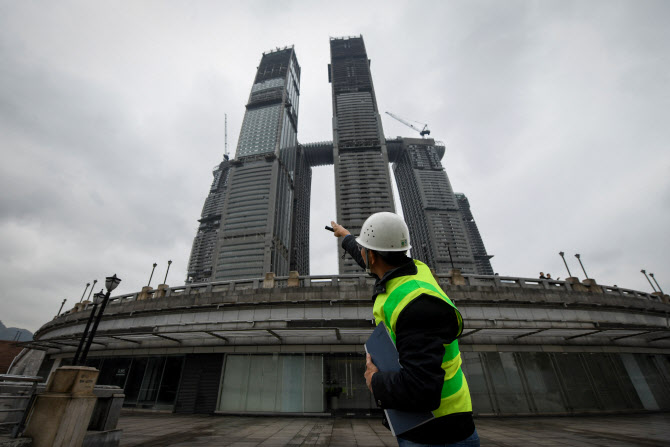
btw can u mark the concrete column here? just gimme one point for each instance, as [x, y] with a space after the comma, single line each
[146, 293]
[497, 282]
[576, 285]
[455, 277]
[80, 306]
[161, 290]
[293, 280]
[592, 285]
[664, 298]
[61, 414]
[269, 281]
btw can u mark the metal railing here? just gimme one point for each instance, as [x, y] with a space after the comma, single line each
[21, 394]
[278, 282]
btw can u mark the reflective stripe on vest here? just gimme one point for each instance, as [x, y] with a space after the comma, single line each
[455, 396]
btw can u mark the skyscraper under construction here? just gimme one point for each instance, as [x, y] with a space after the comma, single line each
[438, 227]
[252, 211]
[482, 259]
[256, 217]
[359, 147]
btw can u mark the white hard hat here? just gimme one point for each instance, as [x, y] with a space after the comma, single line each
[384, 232]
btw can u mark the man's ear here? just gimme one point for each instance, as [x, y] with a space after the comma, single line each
[372, 257]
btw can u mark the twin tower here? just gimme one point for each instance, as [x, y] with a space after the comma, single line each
[256, 216]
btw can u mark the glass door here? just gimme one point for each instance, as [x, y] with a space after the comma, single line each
[151, 381]
[345, 387]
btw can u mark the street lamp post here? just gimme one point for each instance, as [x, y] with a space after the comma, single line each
[82, 295]
[562, 255]
[92, 287]
[61, 306]
[644, 272]
[75, 361]
[580, 263]
[111, 282]
[152, 274]
[659, 287]
[166, 273]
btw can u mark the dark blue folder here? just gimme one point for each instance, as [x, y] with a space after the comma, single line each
[385, 357]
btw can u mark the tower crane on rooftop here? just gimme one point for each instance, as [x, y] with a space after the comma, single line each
[423, 132]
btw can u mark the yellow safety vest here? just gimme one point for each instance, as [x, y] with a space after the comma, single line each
[399, 293]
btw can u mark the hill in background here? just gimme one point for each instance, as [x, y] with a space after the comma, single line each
[10, 333]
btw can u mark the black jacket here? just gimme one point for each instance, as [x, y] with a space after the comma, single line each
[422, 330]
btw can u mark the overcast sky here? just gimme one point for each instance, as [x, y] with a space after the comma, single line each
[555, 115]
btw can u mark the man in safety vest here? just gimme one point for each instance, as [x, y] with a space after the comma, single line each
[424, 324]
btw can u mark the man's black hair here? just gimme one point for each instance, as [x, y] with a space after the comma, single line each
[393, 258]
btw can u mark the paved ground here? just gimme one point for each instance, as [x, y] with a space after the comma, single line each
[154, 430]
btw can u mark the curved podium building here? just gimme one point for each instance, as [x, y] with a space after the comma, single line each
[295, 345]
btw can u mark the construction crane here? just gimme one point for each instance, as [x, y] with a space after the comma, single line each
[423, 132]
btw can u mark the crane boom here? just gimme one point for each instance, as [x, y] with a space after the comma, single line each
[422, 132]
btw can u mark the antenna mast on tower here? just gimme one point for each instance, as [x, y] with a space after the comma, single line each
[225, 150]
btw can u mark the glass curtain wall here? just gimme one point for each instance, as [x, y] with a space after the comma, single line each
[480, 388]
[501, 383]
[543, 384]
[559, 383]
[504, 383]
[272, 383]
[295, 384]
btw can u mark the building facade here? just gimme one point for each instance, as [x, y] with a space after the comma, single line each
[437, 225]
[359, 150]
[204, 244]
[255, 230]
[482, 259]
